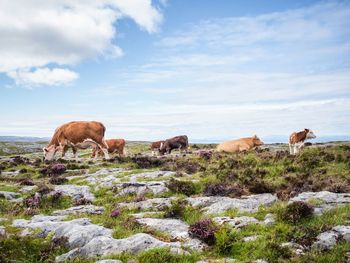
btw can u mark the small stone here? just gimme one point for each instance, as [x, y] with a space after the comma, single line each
[250, 238]
[2, 231]
[9, 195]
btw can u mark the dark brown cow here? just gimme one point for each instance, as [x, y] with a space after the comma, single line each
[76, 134]
[114, 146]
[155, 146]
[178, 142]
[297, 140]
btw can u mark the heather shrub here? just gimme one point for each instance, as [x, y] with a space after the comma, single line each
[81, 201]
[223, 189]
[115, 213]
[54, 169]
[58, 180]
[25, 181]
[183, 187]
[204, 230]
[296, 211]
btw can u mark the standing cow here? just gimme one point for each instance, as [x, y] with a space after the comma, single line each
[76, 134]
[155, 146]
[114, 146]
[178, 142]
[297, 140]
[240, 145]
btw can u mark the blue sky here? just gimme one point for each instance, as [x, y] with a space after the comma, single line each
[154, 69]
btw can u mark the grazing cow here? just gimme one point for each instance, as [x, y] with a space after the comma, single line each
[243, 144]
[76, 134]
[178, 142]
[114, 145]
[155, 146]
[297, 140]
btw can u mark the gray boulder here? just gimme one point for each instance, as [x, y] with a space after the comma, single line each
[88, 209]
[9, 195]
[327, 200]
[154, 204]
[140, 188]
[75, 191]
[329, 239]
[106, 245]
[218, 204]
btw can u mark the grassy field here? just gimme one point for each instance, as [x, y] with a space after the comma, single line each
[324, 167]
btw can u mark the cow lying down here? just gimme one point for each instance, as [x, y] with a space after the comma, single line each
[76, 135]
[240, 145]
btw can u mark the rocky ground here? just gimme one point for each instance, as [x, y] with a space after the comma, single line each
[260, 206]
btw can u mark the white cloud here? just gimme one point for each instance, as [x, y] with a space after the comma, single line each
[309, 24]
[43, 76]
[62, 32]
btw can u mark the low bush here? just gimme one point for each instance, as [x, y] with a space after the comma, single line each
[296, 211]
[204, 230]
[183, 187]
[223, 189]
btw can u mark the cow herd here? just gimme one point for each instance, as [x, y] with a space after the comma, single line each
[90, 134]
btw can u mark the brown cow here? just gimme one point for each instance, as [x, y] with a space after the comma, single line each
[243, 144]
[114, 145]
[156, 146]
[178, 142]
[75, 134]
[297, 140]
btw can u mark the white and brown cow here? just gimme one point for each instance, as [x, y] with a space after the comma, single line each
[114, 146]
[76, 135]
[297, 140]
[239, 145]
[155, 146]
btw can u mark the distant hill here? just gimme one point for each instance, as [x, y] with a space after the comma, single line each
[22, 139]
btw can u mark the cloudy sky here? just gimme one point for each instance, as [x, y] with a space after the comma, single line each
[154, 69]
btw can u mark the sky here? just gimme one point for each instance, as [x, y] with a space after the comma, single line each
[149, 70]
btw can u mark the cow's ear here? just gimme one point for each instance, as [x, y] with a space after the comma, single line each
[256, 137]
[306, 129]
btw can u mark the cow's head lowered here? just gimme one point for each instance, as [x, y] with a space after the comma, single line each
[309, 134]
[50, 151]
[257, 141]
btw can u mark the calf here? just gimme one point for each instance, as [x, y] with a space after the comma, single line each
[178, 142]
[297, 140]
[114, 146]
[155, 146]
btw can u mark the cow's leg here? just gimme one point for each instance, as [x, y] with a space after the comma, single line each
[295, 149]
[64, 150]
[75, 150]
[102, 145]
[291, 148]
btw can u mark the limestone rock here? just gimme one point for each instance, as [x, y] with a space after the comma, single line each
[89, 209]
[328, 200]
[151, 175]
[9, 195]
[140, 188]
[154, 204]
[219, 204]
[75, 191]
[106, 245]
[236, 222]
